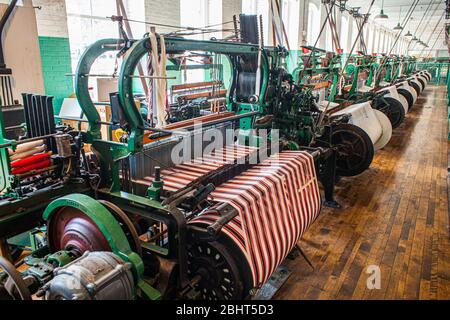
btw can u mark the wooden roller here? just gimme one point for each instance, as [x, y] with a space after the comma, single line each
[27, 153]
[21, 148]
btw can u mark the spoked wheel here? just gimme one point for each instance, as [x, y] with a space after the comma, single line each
[12, 286]
[393, 109]
[126, 224]
[408, 96]
[355, 150]
[212, 264]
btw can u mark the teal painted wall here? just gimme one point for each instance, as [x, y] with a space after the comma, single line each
[56, 63]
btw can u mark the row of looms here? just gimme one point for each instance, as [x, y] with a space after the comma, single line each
[122, 216]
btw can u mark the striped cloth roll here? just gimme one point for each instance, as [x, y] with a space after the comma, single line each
[181, 175]
[277, 201]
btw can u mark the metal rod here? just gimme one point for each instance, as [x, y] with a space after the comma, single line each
[115, 76]
[9, 144]
[232, 118]
[14, 127]
[86, 121]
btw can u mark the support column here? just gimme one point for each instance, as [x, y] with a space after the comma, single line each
[323, 16]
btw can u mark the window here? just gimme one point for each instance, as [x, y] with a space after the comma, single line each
[291, 17]
[370, 38]
[344, 33]
[376, 44]
[382, 41]
[355, 33]
[366, 35]
[328, 40]
[87, 22]
[313, 23]
[199, 14]
[389, 42]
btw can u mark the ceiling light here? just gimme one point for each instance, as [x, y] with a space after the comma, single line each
[382, 16]
[409, 34]
[398, 27]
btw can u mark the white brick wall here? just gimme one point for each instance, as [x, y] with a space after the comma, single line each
[52, 18]
[229, 9]
[163, 11]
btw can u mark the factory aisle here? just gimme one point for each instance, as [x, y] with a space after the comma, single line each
[394, 216]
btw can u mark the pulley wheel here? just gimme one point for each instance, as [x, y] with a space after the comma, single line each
[355, 149]
[393, 109]
[71, 229]
[408, 96]
[126, 224]
[12, 286]
[215, 266]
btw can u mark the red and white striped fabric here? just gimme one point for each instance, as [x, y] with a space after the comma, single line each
[277, 201]
[181, 175]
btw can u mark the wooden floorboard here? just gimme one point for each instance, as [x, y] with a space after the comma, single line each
[394, 216]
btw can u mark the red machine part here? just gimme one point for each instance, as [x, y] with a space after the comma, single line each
[71, 229]
[36, 162]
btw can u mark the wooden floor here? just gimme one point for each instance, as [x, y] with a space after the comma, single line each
[394, 216]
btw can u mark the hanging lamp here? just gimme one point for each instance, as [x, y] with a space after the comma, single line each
[382, 16]
[398, 27]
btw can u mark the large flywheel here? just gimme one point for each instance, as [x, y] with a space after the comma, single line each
[128, 227]
[79, 223]
[71, 229]
[408, 96]
[217, 272]
[416, 87]
[355, 150]
[12, 286]
[393, 109]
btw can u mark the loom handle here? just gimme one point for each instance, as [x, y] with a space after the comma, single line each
[227, 213]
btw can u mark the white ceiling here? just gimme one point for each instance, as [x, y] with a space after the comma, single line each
[423, 30]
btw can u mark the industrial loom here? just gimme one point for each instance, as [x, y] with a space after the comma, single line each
[162, 220]
[213, 226]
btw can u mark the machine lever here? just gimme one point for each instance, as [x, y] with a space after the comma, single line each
[227, 213]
